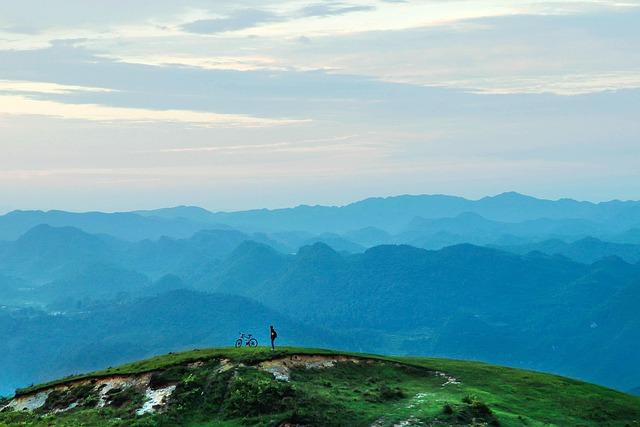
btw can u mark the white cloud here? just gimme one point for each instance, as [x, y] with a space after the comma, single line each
[12, 104]
[45, 87]
[336, 144]
[568, 85]
[237, 63]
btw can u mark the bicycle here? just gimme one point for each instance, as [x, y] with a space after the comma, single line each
[247, 340]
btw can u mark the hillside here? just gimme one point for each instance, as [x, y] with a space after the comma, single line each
[234, 387]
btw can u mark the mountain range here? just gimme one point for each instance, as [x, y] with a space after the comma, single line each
[549, 285]
[619, 219]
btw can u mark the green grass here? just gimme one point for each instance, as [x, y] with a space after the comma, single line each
[387, 391]
[249, 356]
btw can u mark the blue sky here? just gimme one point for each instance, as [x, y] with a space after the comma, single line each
[233, 105]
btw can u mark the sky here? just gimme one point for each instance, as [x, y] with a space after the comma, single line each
[247, 104]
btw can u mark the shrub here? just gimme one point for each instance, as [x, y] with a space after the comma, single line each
[258, 395]
[124, 397]
[472, 411]
[167, 377]
[384, 393]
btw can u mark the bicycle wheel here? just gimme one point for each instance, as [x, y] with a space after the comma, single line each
[252, 342]
[238, 343]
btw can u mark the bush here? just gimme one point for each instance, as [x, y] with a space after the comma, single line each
[384, 393]
[124, 397]
[258, 395]
[471, 411]
[167, 377]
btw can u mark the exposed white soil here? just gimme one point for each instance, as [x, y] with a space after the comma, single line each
[155, 399]
[418, 400]
[225, 365]
[105, 385]
[409, 422]
[449, 380]
[281, 368]
[28, 403]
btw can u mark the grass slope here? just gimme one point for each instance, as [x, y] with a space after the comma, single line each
[384, 392]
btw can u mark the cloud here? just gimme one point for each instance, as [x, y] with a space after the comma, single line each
[333, 8]
[560, 54]
[236, 63]
[249, 18]
[45, 87]
[239, 20]
[561, 84]
[334, 143]
[21, 105]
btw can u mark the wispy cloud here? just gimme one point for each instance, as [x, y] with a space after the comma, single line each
[563, 84]
[317, 144]
[13, 104]
[236, 63]
[238, 20]
[45, 87]
[334, 8]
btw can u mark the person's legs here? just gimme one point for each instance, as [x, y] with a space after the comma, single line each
[273, 347]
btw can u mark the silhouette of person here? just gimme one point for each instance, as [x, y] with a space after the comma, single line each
[274, 335]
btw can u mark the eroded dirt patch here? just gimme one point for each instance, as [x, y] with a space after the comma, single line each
[281, 367]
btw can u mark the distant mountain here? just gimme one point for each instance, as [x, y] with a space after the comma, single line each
[538, 311]
[123, 225]
[585, 250]
[393, 213]
[376, 289]
[191, 213]
[369, 236]
[335, 241]
[291, 241]
[357, 221]
[631, 236]
[166, 283]
[470, 227]
[390, 214]
[250, 263]
[98, 281]
[462, 301]
[46, 253]
[170, 255]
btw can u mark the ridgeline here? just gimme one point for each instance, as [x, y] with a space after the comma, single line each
[308, 387]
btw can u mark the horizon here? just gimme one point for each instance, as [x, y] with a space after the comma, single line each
[293, 206]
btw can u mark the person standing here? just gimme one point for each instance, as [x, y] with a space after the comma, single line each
[274, 335]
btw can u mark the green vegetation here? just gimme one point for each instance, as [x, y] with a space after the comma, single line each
[225, 387]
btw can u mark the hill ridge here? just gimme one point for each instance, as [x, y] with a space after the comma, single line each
[302, 386]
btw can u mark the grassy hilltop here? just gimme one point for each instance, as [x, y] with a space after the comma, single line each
[292, 386]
